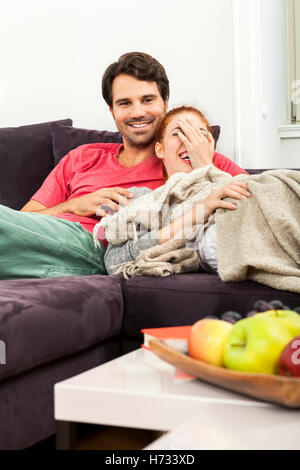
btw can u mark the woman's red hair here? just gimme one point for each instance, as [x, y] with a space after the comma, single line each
[174, 112]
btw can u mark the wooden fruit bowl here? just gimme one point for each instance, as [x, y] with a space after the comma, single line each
[271, 388]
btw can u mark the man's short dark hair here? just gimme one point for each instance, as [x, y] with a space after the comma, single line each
[138, 65]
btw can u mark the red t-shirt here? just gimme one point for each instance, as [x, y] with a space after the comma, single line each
[91, 167]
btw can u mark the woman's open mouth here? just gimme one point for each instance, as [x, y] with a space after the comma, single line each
[184, 156]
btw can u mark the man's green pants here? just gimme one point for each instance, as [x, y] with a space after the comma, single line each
[36, 245]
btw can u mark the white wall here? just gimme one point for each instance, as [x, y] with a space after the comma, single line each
[260, 77]
[56, 51]
[274, 81]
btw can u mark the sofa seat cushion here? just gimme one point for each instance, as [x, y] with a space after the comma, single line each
[46, 319]
[152, 302]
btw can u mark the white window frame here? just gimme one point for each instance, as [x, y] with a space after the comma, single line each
[292, 129]
[293, 31]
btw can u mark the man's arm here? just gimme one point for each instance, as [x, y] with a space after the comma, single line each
[87, 205]
[35, 206]
[53, 197]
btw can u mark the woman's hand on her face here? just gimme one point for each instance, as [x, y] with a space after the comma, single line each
[199, 145]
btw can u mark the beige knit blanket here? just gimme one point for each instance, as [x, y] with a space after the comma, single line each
[154, 211]
[259, 241]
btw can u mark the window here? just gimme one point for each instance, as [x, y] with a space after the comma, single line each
[294, 59]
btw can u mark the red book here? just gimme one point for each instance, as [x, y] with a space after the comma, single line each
[175, 336]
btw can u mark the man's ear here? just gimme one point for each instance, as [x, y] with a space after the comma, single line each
[166, 104]
[159, 150]
[112, 112]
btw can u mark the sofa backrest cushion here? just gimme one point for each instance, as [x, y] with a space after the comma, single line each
[26, 158]
[255, 171]
[66, 138]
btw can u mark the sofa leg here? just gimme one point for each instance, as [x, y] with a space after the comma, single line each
[65, 435]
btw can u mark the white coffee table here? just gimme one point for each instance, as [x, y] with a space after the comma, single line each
[218, 427]
[141, 391]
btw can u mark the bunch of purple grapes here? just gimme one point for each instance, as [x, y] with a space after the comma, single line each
[258, 307]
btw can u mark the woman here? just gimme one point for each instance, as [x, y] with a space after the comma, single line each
[183, 143]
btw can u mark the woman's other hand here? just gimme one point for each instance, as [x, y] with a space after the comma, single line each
[200, 213]
[236, 190]
[199, 143]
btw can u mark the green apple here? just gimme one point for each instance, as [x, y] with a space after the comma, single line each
[288, 318]
[255, 345]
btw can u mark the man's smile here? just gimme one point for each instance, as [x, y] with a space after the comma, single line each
[140, 125]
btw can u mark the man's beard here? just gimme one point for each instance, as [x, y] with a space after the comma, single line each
[135, 142]
[140, 144]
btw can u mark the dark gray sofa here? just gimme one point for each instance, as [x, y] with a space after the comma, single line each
[56, 328]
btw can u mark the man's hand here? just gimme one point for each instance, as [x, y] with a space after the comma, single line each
[90, 204]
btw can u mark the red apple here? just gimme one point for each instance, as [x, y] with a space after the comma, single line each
[289, 362]
[207, 340]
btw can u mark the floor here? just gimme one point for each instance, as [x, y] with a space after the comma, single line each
[113, 438]
[91, 437]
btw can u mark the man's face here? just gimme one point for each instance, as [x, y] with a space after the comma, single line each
[138, 109]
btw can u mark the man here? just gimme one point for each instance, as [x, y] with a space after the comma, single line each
[88, 179]
[138, 107]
